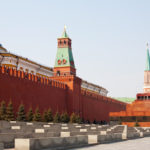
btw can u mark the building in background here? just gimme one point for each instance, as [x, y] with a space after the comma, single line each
[14, 61]
[137, 113]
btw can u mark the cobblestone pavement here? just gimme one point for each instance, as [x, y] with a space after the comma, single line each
[138, 144]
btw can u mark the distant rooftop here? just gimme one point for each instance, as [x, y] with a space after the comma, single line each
[125, 99]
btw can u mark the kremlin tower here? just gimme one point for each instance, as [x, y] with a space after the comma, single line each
[147, 73]
[64, 63]
[64, 71]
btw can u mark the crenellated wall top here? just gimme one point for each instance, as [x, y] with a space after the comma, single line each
[32, 77]
[100, 97]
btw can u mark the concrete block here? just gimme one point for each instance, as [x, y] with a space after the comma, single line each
[93, 124]
[99, 126]
[15, 127]
[130, 135]
[13, 121]
[64, 134]
[83, 130]
[50, 143]
[93, 128]
[141, 134]
[87, 125]
[124, 136]
[108, 129]
[46, 126]
[103, 132]
[75, 124]
[22, 144]
[51, 123]
[1, 146]
[29, 123]
[92, 139]
[117, 137]
[78, 126]
[101, 139]
[64, 124]
[39, 131]
[64, 128]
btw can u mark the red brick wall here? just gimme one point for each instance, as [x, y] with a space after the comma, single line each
[34, 92]
[98, 107]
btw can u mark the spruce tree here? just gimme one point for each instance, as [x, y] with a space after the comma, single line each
[57, 117]
[73, 118]
[78, 119]
[64, 117]
[21, 115]
[10, 112]
[37, 115]
[136, 124]
[49, 115]
[3, 110]
[119, 121]
[45, 116]
[30, 115]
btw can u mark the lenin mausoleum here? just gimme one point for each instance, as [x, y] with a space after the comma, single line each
[137, 113]
[24, 81]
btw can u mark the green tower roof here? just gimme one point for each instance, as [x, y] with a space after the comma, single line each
[147, 60]
[64, 56]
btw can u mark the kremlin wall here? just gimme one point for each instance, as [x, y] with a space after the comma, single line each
[26, 82]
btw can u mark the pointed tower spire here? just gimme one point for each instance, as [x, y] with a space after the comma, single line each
[147, 59]
[64, 35]
[147, 72]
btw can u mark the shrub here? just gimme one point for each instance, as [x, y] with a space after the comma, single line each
[49, 115]
[57, 117]
[45, 116]
[136, 124]
[94, 122]
[78, 119]
[21, 113]
[30, 115]
[10, 112]
[64, 117]
[119, 121]
[37, 115]
[73, 118]
[3, 110]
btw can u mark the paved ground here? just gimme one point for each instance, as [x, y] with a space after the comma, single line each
[138, 144]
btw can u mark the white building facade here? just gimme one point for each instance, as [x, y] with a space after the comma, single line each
[24, 64]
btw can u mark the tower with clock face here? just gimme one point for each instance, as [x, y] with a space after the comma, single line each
[64, 63]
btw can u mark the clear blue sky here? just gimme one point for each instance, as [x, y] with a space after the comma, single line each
[109, 37]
